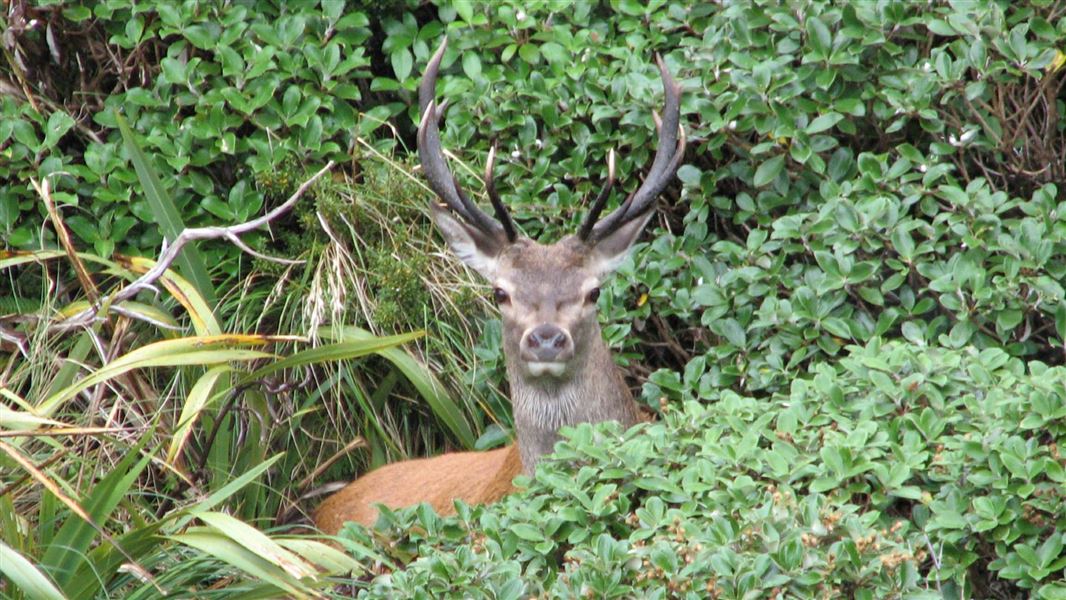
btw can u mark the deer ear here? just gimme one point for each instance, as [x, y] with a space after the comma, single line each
[477, 249]
[613, 248]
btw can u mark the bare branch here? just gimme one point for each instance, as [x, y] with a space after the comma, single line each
[15, 338]
[213, 233]
[171, 251]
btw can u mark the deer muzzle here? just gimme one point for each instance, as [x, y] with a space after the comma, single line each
[546, 349]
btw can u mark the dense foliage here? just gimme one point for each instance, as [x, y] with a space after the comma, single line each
[850, 309]
[882, 476]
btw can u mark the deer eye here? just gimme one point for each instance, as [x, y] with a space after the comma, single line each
[594, 295]
[500, 295]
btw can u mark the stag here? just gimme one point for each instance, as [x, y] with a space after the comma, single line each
[560, 369]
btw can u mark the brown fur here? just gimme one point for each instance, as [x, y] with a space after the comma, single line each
[473, 477]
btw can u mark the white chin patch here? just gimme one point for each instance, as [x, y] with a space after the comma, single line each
[546, 368]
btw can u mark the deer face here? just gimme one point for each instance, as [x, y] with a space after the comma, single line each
[547, 296]
[546, 293]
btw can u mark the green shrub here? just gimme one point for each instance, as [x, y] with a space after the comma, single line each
[219, 92]
[905, 470]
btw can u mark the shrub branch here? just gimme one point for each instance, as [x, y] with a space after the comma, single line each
[170, 253]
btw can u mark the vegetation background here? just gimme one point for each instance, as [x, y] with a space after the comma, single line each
[849, 311]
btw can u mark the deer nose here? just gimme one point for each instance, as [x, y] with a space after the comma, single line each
[547, 343]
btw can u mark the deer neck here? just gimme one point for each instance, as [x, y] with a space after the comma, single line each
[595, 392]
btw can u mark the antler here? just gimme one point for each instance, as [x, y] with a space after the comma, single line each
[668, 155]
[440, 178]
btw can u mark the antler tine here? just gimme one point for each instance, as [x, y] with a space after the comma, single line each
[431, 155]
[601, 200]
[497, 205]
[427, 88]
[668, 155]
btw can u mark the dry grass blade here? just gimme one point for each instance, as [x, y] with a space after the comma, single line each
[76, 508]
[44, 191]
[26, 477]
[66, 431]
[358, 442]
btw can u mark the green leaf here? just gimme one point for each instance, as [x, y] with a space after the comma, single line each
[465, 8]
[732, 331]
[819, 36]
[1050, 549]
[553, 53]
[529, 53]
[940, 27]
[26, 577]
[402, 63]
[471, 65]
[769, 170]
[1007, 320]
[903, 243]
[59, 123]
[823, 122]
[201, 36]
[77, 13]
[527, 532]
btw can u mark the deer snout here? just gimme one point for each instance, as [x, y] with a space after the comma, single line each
[547, 343]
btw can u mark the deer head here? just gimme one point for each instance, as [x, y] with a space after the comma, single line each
[546, 293]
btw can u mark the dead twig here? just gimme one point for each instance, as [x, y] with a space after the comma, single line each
[170, 253]
[44, 190]
[231, 233]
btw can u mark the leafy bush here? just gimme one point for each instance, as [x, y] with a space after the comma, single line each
[220, 91]
[904, 470]
[233, 103]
